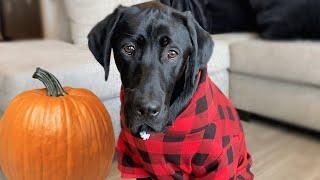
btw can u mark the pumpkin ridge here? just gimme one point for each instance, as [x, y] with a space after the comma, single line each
[67, 126]
[99, 106]
[88, 113]
[94, 128]
[103, 115]
[29, 114]
[44, 119]
[108, 140]
[57, 135]
[13, 126]
[79, 116]
[6, 140]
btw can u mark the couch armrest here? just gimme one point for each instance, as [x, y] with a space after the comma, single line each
[55, 20]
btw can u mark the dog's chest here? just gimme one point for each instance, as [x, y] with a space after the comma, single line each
[200, 127]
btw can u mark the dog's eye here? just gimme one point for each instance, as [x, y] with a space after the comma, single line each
[172, 54]
[129, 49]
[164, 41]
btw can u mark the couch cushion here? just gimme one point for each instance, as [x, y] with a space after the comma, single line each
[72, 66]
[295, 61]
[94, 10]
[221, 80]
[76, 67]
[288, 102]
[220, 59]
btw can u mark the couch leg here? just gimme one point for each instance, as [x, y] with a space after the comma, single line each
[244, 115]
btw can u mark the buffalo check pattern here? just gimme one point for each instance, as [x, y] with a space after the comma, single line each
[205, 141]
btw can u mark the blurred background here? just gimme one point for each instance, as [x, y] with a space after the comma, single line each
[266, 60]
[21, 19]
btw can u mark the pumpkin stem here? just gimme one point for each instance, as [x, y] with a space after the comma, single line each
[51, 83]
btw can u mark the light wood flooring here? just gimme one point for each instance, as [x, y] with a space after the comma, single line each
[279, 153]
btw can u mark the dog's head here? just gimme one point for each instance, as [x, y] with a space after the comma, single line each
[158, 52]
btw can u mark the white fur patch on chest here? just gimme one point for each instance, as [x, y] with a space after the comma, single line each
[144, 135]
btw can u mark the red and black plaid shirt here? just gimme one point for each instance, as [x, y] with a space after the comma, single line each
[205, 141]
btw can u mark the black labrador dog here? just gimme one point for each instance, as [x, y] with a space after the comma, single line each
[158, 52]
[161, 55]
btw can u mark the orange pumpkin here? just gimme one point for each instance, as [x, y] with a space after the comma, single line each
[56, 133]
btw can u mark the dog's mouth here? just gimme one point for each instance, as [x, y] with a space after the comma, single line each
[156, 125]
[145, 128]
[136, 129]
[141, 128]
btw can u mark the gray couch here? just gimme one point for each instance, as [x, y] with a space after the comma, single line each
[76, 67]
[280, 80]
[275, 79]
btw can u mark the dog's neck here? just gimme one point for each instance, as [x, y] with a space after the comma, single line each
[182, 95]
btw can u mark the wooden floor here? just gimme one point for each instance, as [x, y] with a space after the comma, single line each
[283, 154]
[278, 153]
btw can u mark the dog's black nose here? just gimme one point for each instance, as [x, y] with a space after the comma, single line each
[149, 109]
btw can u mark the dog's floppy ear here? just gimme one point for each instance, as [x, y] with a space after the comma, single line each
[202, 47]
[99, 38]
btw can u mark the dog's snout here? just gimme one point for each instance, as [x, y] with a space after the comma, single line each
[148, 108]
